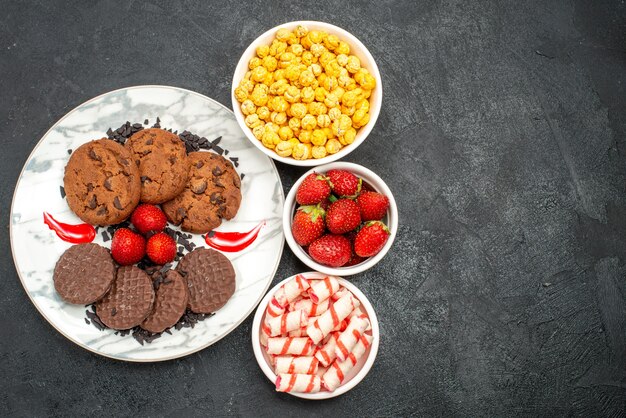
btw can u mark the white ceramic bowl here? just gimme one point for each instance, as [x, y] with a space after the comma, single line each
[355, 375]
[356, 48]
[391, 219]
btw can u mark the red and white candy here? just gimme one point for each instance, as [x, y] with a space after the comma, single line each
[299, 365]
[291, 290]
[326, 322]
[323, 289]
[298, 383]
[348, 339]
[337, 371]
[287, 322]
[297, 346]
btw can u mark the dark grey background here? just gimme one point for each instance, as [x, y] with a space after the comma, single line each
[502, 136]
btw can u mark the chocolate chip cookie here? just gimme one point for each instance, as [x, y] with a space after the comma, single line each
[212, 192]
[210, 278]
[162, 161]
[84, 273]
[101, 182]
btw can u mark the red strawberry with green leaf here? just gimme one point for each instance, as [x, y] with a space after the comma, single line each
[370, 239]
[308, 224]
[313, 190]
[344, 183]
[373, 205]
[127, 247]
[343, 216]
[331, 250]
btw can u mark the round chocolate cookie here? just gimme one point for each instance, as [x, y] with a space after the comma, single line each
[162, 161]
[212, 193]
[210, 277]
[84, 273]
[101, 183]
[170, 303]
[129, 301]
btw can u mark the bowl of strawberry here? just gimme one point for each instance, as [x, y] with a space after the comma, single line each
[340, 218]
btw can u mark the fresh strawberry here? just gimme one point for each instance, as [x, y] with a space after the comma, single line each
[344, 183]
[313, 190]
[370, 239]
[308, 224]
[373, 205]
[331, 250]
[148, 218]
[127, 247]
[161, 248]
[343, 216]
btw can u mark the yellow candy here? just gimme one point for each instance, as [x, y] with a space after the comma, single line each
[349, 111]
[270, 63]
[279, 75]
[354, 64]
[263, 112]
[320, 94]
[283, 34]
[329, 132]
[318, 137]
[285, 133]
[350, 98]
[247, 85]
[316, 69]
[332, 68]
[286, 59]
[330, 83]
[323, 121]
[262, 51]
[270, 139]
[365, 80]
[278, 104]
[271, 127]
[363, 104]
[331, 42]
[326, 58]
[301, 152]
[296, 49]
[269, 79]
[349, 136]
[342, 48]
[342, 124]
[307, 58]
[277, 48]
[360, 118]
[294, 123]
[301, 31]
[292, 72]
[252, 121]
[284, 148]
[317, 108]
[307, 78]
[292, 94]
[258, 74]
[316, 36]
[298, 110]
[331, 100]
[241, 94]
[308, 122]
[259, 95]
[334, 113]
[279, 118]
[318, 152]
[307, 95]
[305, 136]
[317, 50]
[279, 87]
[247, 107]
[332, 146]
[258, 132]
[342, 59]
[254, 62]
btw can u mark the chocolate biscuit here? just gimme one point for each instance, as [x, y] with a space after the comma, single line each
[170, 303]
[129, 301]
[84, 273]
[210, 278]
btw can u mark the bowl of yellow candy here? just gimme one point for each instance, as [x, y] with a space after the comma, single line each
[306, 93]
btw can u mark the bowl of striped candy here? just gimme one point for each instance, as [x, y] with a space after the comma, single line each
[315, 336]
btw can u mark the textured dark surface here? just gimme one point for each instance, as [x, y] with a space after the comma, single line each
[505, 291]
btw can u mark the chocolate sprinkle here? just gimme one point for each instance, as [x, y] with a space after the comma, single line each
[69, 151]
[105, 236]
[145, 122]
[62, 189]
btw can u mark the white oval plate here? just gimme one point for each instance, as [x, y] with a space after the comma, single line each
[36, 249]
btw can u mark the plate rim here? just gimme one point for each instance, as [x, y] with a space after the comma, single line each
[19, 273]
